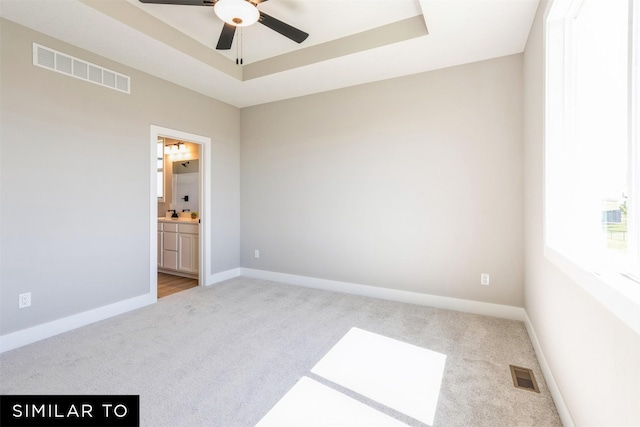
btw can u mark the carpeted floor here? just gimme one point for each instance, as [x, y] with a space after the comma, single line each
[225, 355]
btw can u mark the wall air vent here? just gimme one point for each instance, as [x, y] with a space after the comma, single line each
[65, 64]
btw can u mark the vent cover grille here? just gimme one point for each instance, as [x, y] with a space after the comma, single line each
[65, 64]
[523, 378]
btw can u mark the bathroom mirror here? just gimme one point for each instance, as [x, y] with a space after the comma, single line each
[185, 185]
[185, 166]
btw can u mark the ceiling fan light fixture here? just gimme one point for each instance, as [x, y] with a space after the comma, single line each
[239, 13]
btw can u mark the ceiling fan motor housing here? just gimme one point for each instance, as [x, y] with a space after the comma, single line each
[239, 13]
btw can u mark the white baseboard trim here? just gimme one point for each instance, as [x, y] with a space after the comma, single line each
[36, 333]
[467, 306]
[222, 276]
[39, 332]
[558, 399]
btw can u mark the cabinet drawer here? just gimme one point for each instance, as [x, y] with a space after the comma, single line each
[171, 227]
[188, 228]
[160, 225]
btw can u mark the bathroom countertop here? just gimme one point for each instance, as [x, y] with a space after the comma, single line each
[185, 220]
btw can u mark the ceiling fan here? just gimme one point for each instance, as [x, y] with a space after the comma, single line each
[239, 13]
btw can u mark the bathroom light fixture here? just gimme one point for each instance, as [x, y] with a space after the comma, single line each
[239, 13]
[180, 147]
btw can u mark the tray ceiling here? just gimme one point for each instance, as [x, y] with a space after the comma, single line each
[351, 41]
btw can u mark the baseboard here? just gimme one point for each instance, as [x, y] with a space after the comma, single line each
[222, 276]
[39, 332]
[467, 306]
[558, 399]
[55, 327]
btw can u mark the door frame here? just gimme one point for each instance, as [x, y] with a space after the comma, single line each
[204, 237]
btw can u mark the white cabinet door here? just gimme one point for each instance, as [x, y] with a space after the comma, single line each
[170, 241]
[196, 254]
[188, 253]
[170, 260]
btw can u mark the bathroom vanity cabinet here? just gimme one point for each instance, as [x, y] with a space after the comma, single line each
[178, 247]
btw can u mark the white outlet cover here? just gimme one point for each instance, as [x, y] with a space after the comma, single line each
[24, 300]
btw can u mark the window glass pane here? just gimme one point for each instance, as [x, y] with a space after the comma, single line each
[598, 174]
[160, 185]
[160, 165]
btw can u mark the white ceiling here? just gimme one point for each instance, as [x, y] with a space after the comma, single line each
[351, 41]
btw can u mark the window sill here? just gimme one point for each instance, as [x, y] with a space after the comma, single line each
[618, 293]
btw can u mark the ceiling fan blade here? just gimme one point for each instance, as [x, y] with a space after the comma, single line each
[286, 30]
[226, 37]
[181, 2]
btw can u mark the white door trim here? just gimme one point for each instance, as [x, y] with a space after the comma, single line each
[204, 241]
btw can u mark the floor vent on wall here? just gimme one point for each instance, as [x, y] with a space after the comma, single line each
[65, 64]
[523, 378]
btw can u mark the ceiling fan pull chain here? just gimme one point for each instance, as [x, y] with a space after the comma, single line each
[240, 43]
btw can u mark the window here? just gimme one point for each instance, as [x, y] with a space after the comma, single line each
[591, 147]
[160, 164]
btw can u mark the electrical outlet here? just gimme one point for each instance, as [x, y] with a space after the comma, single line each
[484, 279]
[24, 300]
[256, 253]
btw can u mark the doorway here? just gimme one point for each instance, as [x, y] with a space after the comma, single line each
[201, 244]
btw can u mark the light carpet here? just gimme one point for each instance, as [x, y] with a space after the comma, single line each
[226, 355]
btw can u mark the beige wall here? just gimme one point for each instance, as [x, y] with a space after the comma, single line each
[594, 357]
[75, 181]
[412, 183]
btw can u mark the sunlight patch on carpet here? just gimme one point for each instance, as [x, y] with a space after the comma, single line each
[309, 403]
[401, 376]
